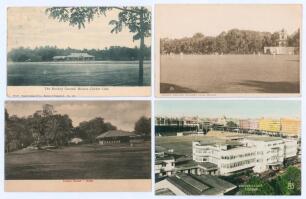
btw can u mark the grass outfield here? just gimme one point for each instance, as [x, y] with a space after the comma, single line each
[183, 144]
[230, 74]
[80, 162]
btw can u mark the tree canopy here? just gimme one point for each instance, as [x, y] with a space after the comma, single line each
[234, 41]
[136, 19]
[143, 126]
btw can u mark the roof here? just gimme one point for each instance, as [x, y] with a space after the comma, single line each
[79, 55]
[59, 57]
[164, 191]
[264, 138]
[208, 165]
[115, 133]
[200, 185]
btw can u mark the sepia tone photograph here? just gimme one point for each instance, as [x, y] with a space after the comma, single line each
[83, 140]
[228, 147]
[52, 48]
[228, 49]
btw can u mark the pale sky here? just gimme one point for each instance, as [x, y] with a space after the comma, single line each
[122, 114]
[229, 108]
[177, 21]
[31, 27]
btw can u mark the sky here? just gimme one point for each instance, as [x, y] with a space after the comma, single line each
[229, 108]
[122, 114]
[31, 27]
[177, 21]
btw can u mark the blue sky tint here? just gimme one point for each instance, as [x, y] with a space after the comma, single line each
[229, 108]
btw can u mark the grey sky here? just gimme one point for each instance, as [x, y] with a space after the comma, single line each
[31, 27]
[122, 114]
[177, 21]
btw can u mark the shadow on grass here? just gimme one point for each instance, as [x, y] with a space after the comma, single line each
[172, 88]
[272, 87]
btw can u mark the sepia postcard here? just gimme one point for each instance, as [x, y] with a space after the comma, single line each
[78, 51]
[228, 49]
[228, 147]
[81, 146]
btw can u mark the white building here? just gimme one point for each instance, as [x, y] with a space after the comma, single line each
[291, 148]
[257, 153]
[164, 166]
[270, 152]
[230, 157]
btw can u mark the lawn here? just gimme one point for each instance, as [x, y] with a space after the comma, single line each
[80, 162]
[230, 74]
[182, 144]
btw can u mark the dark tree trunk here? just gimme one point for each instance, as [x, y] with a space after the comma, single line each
[141, 52]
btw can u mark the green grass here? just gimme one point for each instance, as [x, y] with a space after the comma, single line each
[80, 162]
[182, 144]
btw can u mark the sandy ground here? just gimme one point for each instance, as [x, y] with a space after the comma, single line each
[230, 74]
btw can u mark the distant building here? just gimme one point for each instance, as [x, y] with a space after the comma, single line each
[290, 127]
[252, 124]
[171, 126]
[75, 57]
[115, 137]
[282, 48]
[189, 184]
[269, 125]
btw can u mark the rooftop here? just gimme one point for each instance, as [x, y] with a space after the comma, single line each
[263, 138]
[200, 185]
[115, 133]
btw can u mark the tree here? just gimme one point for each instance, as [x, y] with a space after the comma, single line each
[257, 186]
[290, 182]
[136, 19]
[143, 126]
[89, 130]
[231, 124]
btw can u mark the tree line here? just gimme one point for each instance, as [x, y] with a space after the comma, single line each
[46, 53]
[46, 127]
[234, 41]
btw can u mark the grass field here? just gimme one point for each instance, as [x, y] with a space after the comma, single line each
[80, 162]
[183, 144]
[230, 74]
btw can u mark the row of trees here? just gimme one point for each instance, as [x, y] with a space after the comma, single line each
[288, 183]
[47, 53]
[234, 41]
[47, 127]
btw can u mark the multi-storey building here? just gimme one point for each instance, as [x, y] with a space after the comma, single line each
[230, 157]
[251, 124]
[258, 153]
[269, 125]
[290, 127]
[269, 152]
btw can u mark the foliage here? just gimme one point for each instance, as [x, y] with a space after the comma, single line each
[288, 183]
[45, 127]
[231, 124]
[257, 186]
[136, 19]
[47, 53]
[143, 126]
[89, 130]
[234, 41]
